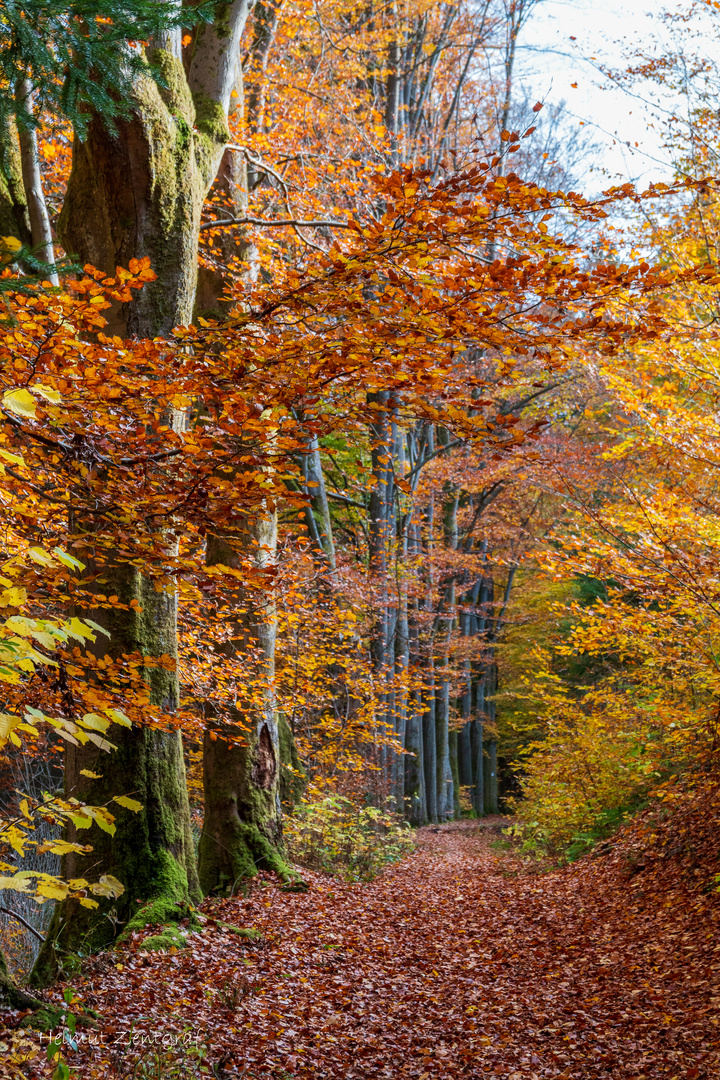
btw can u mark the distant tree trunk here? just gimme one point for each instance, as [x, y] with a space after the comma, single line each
[379, 533]
[317, 512]
[490, 781]
[402, 663]
[468, 623]
[429, 689]
[402, 639]
[415, 794]
[40, 231]
[429, 743]
[445, 796]
[480, 627]
[454, 773]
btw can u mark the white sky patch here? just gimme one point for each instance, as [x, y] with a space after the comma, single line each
[611, 32]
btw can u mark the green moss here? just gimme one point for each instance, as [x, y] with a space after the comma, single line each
[211, 133]
[161, 912]
[248, 932]
[245, 852]
[170, 938]
[45, 1019]
[14, 219]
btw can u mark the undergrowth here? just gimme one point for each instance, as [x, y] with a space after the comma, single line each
[338, 837]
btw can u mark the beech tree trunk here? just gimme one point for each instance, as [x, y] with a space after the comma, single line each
[14, 219]
[242, 828]
[244, 774]
[151, 852]
[135, 192]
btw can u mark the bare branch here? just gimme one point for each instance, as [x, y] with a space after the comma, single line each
[295, 223]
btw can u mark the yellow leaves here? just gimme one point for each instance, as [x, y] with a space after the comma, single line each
[8, 723]
[63, 847]
[70, 561]
[14, 459]
[118, 717]
[128, 803]
[9, 247]
[20, 402]
[104, 818]
[47, 392]
[108, 886]
[13, 597]
[17, 883]
[14, 837]
[51, 889]
[95, 722]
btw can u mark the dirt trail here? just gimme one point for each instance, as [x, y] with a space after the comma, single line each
[456, 963]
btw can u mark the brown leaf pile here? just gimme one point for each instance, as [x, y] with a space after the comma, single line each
[460, 962]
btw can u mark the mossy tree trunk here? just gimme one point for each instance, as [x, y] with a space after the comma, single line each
[242, 829]
[12, 995]
[14, 218]
[135, 192]
[151, 852]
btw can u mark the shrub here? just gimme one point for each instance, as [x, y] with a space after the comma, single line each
[335, 835]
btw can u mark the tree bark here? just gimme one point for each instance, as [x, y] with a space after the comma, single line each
[445, 792]
[244, 778]
[14, 219]
[242, 828]
[151, 852]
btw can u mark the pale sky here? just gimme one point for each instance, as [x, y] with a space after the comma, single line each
[611, 31]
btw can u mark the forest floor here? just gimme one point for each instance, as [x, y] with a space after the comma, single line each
[463, 960]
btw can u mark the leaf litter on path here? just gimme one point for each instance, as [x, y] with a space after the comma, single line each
[461, 961]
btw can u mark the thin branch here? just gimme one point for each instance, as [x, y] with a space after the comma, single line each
[343, 498]
[295, 223]
[26, 924]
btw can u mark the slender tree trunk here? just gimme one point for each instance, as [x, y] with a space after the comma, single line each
[445, 796]
[402, 664]
[379, 533]
[415, 795]
[317, 513]
[429, 743]
[490, 774]
[40, 230]
[479, 749]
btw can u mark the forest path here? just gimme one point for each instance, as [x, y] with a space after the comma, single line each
[458, 962]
